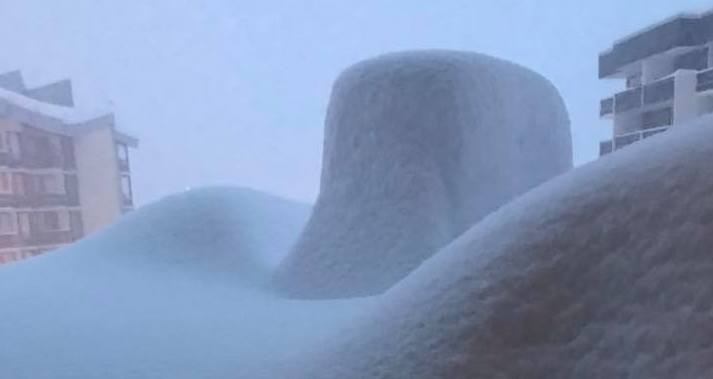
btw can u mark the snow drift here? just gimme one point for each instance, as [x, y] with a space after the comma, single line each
[418, 147]
[605, 272]
[163, 294]
[237, 233]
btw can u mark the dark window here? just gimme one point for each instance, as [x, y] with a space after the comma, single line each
[51, 220]
[628, 100]
[654, 119]
[126, 189]
[67, 147]
[659, 91]
[605, 147]
[694, 60]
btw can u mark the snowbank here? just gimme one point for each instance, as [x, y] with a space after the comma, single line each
[160, 295]
[418, 147]
[605, 272]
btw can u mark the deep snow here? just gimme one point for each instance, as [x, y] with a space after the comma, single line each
[605, 272]
[419, 146]
[163, 294]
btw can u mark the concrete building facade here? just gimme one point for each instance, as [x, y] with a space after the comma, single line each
[63, 174]
[668, 71]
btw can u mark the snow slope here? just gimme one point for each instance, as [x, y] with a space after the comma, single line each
[605, 272]
[418, 147]
[163, 294]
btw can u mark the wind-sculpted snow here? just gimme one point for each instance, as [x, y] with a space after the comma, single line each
[606, 272]
[418, 147]
[603, 272]
[163, 294]
[237, 233]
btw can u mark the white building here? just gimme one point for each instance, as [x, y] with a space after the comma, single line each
[63, 173]
[668, 69]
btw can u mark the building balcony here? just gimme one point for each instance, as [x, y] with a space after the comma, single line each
[58, 237]
[606, 107]
[127, 202]
[657, 118]
[38, 200]
[628, 100]
[10, 241]
[705, 81]
[655, 93]
[620, 141]
[606, 147]
[696, 59]
[124, 165]
[659, 91]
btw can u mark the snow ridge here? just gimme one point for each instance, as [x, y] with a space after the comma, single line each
[603, 272]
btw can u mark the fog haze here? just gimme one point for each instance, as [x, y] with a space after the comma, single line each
[234, 92]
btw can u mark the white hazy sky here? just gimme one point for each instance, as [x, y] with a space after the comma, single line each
[234, 92]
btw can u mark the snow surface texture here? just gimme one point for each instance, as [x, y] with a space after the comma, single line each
[419, 146]
[163, 294]
[605, 272]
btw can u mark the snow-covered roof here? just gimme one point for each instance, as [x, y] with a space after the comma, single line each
[65, 115]
[55, 118]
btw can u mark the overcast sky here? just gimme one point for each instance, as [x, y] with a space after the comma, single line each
[234, 92]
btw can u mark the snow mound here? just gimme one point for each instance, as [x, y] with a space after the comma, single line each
[160, 295]
[605, 272]
[212, 231]
[419, 146]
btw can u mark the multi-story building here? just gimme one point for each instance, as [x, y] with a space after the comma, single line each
[63, 174]
[668, 70]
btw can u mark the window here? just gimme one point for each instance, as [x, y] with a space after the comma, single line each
[18, 184]
[13, 144]
[24, 224]
[55, 220]
[50, 221]
[52, 184]
[3, 145]
[5, 183]
[633, 81]
[122, 151]
[7, 223]
[126, 189]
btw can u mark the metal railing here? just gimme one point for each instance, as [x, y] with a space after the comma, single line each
[622, 140]
[659, 91]
[705, 80]
[653, 93]
[606, 106]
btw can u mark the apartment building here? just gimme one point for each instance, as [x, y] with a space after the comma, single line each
[667, 69]
[63, 173]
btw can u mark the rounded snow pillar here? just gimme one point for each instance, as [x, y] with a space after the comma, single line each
[418, 147]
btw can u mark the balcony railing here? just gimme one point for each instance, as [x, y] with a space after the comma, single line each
[606, 107]
[653, 93]
[657, 118]
[705, 80]
[606, 147]
[659, 91]
[124, 165]
[628, 100]
[693, 60]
